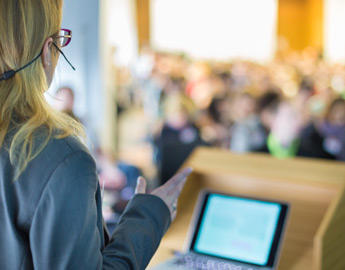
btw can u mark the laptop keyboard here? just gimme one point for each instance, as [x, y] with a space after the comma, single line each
[193, 261]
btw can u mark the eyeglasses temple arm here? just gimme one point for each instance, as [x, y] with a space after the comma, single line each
[64, 56]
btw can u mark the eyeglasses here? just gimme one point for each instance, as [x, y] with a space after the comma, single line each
[64, 37]
[61, 39]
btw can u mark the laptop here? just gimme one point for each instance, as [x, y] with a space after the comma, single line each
[233, 233]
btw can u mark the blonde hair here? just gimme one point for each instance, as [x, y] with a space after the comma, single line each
[23, 107]
[179, 102]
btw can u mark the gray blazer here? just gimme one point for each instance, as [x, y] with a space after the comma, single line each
[51, 218]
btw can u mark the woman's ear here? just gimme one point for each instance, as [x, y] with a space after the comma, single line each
[47, 54]
[47, 60]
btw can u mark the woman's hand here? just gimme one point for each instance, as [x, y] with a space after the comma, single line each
[169, 192]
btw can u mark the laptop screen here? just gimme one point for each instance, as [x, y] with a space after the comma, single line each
[241, 229]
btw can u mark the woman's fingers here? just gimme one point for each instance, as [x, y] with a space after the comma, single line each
[171, 190]
[176, 183]
[141, 186]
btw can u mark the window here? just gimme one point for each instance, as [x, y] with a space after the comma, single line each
[334, 30]
[215, 29]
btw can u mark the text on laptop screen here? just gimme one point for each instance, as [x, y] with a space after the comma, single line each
[237, 228]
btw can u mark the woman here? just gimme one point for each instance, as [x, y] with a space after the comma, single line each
[50, 202]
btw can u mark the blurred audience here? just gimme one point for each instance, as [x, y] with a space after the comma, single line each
[279, 108]
[292, 106]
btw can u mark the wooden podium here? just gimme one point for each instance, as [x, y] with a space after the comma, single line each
[315, 235]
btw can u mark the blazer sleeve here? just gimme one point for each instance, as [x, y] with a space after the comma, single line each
[64, 232]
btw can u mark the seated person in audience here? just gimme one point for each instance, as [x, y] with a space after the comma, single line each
[333, 129]
[178, 136]
[64, 101]
[244, 131]
[250, 131]
[215, 122]
[301, 101]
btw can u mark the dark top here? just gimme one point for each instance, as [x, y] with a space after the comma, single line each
[172, 148]
[51, 218]
[312, 144]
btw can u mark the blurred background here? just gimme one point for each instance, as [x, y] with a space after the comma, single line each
[155, 79]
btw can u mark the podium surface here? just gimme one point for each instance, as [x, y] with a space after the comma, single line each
[315, 190]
